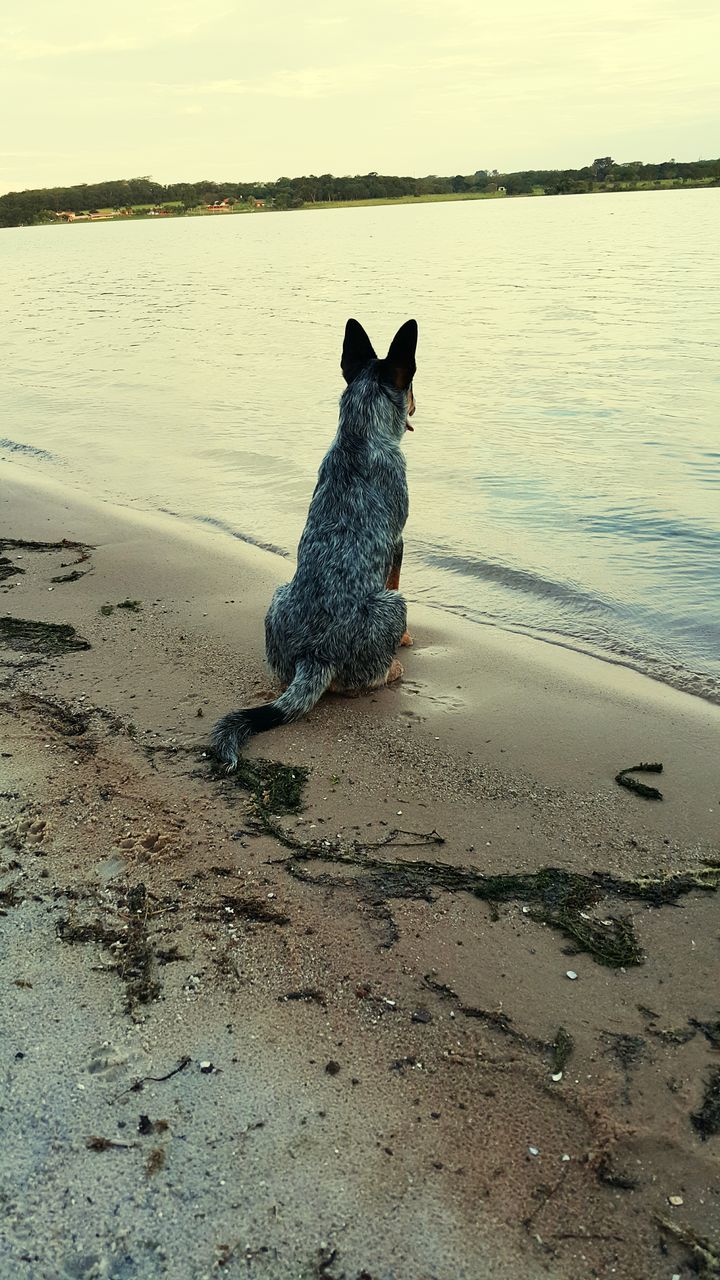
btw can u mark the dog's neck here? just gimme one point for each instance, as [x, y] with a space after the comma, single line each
[374, 412]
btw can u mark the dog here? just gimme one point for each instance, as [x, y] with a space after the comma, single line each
[338, 624]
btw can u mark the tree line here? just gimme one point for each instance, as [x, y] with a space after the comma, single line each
[133, 195]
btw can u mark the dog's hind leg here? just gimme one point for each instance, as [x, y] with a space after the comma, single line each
[279, 654]
[381, 624]
[394, 672]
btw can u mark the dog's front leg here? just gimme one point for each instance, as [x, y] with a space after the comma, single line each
[393, 578]
[393, 582]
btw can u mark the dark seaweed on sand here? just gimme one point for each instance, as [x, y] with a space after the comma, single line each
[557, 898]
[277, 788]
[40, 637]
[704, 1258]
[562, 1048]
[8, 569]
[706, 1120]
[127, 942]
[623, 779]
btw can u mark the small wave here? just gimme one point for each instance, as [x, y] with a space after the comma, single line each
[16, 447]
[224, 527]
[648, 527]
[516, 580]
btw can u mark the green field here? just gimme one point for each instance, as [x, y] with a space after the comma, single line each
[427, 199]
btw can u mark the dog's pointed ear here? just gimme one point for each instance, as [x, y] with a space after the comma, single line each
[357, 351]
[399, 364]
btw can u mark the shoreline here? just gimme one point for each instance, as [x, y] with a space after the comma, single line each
[370, 1035]
[685, 684]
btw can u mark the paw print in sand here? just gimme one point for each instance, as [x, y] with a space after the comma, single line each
[150, 846]
[27, 831]
[116, 1061]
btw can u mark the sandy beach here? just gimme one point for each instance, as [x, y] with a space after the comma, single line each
[334, 1017]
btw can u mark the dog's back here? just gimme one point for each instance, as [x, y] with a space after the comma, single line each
[355, 521]
[335, 622]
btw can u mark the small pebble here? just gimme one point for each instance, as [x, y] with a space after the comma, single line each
[675, 1201]
[571, 974]
[565, 1159]
[533, 1151]
[557, 1075]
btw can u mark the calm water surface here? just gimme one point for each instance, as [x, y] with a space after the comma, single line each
[565, 467]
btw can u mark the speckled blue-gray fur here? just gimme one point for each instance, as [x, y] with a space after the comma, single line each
[336, 622]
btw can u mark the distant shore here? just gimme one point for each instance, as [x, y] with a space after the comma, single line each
[172, 209]
[504, 195]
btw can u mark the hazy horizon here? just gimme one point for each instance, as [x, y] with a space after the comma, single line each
[259, 91]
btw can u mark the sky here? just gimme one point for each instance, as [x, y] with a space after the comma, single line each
[198, 89]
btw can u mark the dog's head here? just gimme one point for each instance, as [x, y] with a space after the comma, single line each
[395, 373]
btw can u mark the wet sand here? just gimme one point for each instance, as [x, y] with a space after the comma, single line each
[364, 1000]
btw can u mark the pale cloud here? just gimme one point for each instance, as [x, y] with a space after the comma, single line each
[29, 50]
[307, 82]
[138, 27]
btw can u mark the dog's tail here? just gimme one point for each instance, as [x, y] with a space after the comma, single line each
[230, 734]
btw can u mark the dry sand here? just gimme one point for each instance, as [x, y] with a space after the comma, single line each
[361, 1040]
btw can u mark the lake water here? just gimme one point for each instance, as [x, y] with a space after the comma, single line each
[565, 466]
